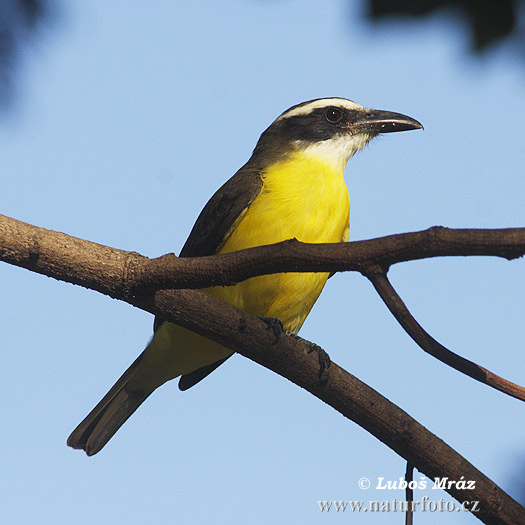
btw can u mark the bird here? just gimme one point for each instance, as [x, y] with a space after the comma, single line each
[292, 186]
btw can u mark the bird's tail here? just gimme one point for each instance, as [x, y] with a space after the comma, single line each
[109, 415]
[172, 352]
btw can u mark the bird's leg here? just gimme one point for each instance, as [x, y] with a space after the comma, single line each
[324, 358]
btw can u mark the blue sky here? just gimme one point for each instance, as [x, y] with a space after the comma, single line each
[127, 120]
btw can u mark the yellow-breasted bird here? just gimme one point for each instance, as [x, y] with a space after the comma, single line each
[292, 186]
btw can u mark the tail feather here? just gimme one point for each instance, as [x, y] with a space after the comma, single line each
[109, 415]
[172, 352]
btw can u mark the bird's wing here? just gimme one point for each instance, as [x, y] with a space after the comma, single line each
[218, 217]
[213, 226]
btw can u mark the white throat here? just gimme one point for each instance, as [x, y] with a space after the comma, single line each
[335, 151]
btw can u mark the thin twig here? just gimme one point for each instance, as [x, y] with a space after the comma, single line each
[409, 491]
[399, 310]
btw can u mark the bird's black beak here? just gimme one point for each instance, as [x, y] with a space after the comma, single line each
[379, 121]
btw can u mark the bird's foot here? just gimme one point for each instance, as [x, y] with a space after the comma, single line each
[324, 358]
[275, 325]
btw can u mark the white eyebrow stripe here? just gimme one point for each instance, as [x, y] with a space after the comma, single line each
[320, 103]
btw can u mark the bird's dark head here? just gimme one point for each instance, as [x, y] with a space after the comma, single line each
[331, 128]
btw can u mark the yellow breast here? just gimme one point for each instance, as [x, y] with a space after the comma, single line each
[302, 198]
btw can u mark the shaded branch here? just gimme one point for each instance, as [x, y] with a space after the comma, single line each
[20, 21]
[487, 22]
[111, 271]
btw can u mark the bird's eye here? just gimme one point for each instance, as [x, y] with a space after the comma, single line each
[333, 115]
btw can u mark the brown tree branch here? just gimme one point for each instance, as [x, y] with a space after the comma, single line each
[111, 271]
[20, 245]
[169, 271]
[371, 257]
